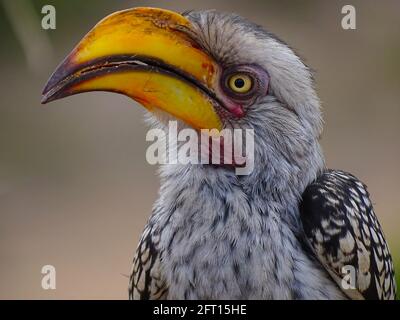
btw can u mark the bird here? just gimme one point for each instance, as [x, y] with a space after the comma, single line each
[290, 229]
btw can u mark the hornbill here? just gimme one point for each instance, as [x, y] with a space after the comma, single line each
[289, 229]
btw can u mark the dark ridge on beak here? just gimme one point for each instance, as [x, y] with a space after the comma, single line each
[67, 74]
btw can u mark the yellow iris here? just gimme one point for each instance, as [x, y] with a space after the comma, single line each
[240, 83]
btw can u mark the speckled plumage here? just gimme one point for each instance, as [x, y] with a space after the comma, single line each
[216, 235]
[342, 229]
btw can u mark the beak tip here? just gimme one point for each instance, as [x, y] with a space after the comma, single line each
[65, 68]
[44, 100]
[50, 95]
[46, 97]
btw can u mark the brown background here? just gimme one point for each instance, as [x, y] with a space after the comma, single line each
[75, 189]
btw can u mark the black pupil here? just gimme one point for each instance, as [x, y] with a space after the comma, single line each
[239, 83]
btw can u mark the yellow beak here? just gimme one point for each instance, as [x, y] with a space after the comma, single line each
[149, 55]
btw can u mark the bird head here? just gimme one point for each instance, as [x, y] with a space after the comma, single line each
[207, 69]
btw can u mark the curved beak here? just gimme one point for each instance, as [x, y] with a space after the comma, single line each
[149, 55]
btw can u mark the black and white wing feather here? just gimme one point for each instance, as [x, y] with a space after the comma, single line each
[145, 281]
[345, 235]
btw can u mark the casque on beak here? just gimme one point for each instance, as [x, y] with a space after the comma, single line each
[148, 55]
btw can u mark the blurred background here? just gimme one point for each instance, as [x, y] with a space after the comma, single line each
[75, 188]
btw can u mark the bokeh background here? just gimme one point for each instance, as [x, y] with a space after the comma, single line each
[75, 188]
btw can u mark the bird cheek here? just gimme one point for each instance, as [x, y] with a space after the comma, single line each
[235, 108]
[232, 107]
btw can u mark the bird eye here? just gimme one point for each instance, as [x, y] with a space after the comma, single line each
[240, 83]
